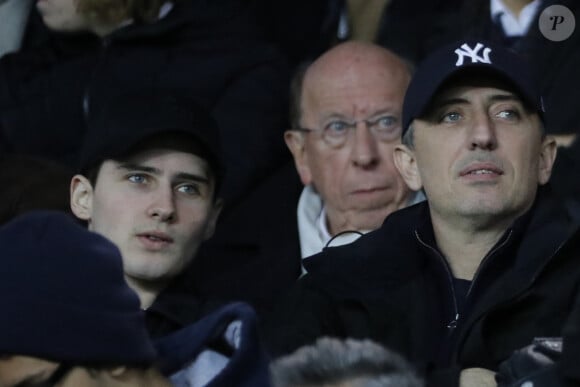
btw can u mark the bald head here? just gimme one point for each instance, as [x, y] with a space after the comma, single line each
[351, 57]
[351, 84]
[355, 60]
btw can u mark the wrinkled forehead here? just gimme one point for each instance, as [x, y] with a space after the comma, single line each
[377, 77]
[357, 96]
[375, 69]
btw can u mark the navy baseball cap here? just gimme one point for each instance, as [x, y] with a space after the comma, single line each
[463, 56]
[130, 119]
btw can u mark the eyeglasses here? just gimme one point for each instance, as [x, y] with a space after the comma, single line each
[336, 133]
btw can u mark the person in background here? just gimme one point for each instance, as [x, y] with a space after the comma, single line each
[409, 28]
[210, 50]
[343, 363]
[31, 183]
[346, 122]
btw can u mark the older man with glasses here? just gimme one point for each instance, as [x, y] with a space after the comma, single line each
[345, 124]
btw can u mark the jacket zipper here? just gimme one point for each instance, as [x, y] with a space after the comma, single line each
[453, 323]
[485, 259]
[521, 293]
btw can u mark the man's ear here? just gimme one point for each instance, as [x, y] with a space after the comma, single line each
[295, 142]
[547, 157]
[213, 217]
[406, 163]
[81, 197]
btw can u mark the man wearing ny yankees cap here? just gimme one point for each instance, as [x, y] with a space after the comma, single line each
[480, 284]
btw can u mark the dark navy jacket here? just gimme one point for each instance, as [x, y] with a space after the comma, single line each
[393, 286]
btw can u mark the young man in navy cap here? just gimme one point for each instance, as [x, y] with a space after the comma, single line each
[150, 170]
[487, 266]
[70, 319]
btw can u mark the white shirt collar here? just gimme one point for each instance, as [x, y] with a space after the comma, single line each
[514, 25]
[312, 228]
[312, 237]
[322, 226]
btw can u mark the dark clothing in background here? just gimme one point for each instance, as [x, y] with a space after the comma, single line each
[413, 28]
[208, 49]
[30, 183]
[566, 176]
[254, 255]
[305, 29]
[37, 37]
[394, 286]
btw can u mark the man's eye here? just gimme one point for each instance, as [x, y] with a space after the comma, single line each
[451, 117]
[337, 127]
[189, 189]
[508, 114]
[385, 123]
[137, 178]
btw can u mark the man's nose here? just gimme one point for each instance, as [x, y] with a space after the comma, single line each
[483, 133]
[365, 153]
[163, 205]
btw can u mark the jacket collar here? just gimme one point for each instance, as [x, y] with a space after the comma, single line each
[539, 232]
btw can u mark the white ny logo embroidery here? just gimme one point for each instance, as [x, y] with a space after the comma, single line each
[465, 50]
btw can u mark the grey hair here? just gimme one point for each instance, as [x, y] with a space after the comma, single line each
[331, 362]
